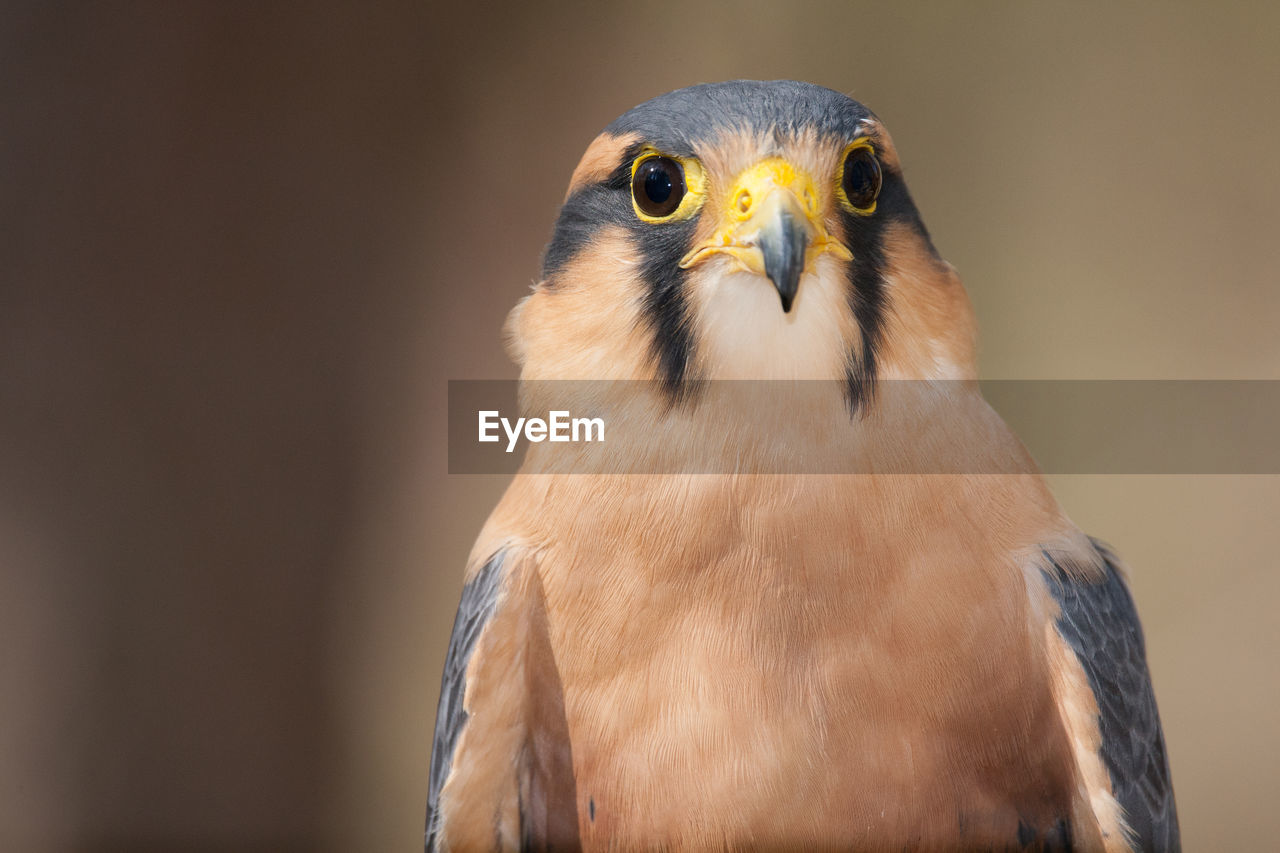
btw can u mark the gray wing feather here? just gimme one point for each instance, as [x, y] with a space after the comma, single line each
[1100, 623]
[478, 599]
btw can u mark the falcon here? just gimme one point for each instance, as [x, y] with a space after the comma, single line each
[893, 639]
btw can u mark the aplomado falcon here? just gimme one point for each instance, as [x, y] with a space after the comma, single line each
[683, 660]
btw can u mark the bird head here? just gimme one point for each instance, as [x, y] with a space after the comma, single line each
[743, 230]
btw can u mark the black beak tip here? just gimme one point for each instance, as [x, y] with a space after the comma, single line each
[783, 251]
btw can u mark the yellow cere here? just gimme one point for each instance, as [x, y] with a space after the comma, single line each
[753, 202]
[694, 182]
[772, 173]
[863, 142]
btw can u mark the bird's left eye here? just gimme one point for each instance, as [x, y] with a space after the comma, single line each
[860, 179]
[657, 185]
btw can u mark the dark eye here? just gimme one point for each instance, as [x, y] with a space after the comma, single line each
[861, 181]
[658, 186]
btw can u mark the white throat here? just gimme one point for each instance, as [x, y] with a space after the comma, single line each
[743, 332]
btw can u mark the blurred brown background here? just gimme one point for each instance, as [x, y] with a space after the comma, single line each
[243, 247]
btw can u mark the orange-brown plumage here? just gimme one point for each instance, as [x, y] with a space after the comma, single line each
[746, 660]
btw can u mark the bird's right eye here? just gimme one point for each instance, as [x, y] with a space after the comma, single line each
[657, 186]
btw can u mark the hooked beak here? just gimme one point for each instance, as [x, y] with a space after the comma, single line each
[772, 227]
[782, 241]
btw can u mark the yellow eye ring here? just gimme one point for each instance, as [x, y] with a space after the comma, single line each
[665, 188]
[859, 178]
